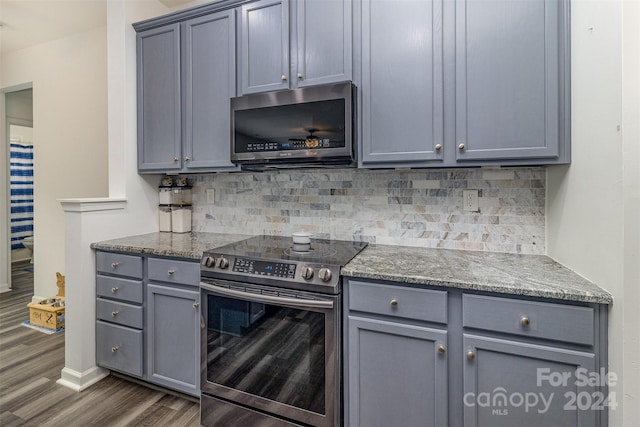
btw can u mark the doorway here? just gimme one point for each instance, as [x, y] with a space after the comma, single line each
[18, 181]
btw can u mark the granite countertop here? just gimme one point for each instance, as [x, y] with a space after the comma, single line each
[180, 245]
[530, 275]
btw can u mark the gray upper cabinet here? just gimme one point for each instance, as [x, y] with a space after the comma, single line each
[294, 43]
[401, 86]
[159, 99]
[210, 81]
[186, 76]
[510, 58]
[323, 42]
[463, 83]
[264, 64]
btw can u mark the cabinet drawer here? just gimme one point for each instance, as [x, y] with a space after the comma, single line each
[119, 348]
[122, 265]
[171, 271]
[551, 321]
[398, 301]
[119, 312]
[119, 288]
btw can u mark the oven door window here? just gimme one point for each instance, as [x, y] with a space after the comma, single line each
[270, 351]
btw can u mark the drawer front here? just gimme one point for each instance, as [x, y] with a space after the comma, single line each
[119, 288]
[119, 312]
[551, 321]
[122, 265]
[398, 301]
[171, 271]
[119, 348]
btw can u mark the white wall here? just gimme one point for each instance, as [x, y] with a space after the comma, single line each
[589, 222]
[69, 77]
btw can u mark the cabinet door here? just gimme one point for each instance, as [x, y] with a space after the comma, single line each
[264, 64]
[210, 81]
[402, 88]
[323, 37]
[159, 132]
[508, 383]
[509, 79]
[397, 377]
[173, 338]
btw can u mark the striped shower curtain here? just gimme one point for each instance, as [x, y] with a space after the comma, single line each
[21, 170]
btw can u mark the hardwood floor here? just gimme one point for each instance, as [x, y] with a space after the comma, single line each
[30, 364]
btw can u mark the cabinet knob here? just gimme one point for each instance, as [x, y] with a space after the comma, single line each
[283, 78]
[171, 272]
[114, 290]
[187, 158]
[115, 348]
[394, 302]
[115, 313]
[300, 76]
[196, 305]
[461, 146]
[175, 159]
[438, 147]
[441, 349]
[115, 264]
[525, 321]
[471, 355]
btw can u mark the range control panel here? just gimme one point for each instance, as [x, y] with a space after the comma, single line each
[264, 268]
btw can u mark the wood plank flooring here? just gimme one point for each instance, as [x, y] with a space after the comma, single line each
[30, 364]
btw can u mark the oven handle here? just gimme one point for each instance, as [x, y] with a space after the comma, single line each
[268, 299]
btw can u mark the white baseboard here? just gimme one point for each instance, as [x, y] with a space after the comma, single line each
[4, 287]
[79, 381]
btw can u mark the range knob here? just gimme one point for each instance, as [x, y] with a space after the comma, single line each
[307, 273]
[324, 274]
[223, 263]
[210, 261]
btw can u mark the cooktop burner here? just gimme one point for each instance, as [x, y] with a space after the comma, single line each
[275, 260]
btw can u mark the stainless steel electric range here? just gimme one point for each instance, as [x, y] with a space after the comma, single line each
[271, 332]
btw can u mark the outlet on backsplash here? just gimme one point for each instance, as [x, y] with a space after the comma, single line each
[470, 200]
[211, 196]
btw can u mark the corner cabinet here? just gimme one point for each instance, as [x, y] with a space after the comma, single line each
[416, 356]
[464, 83]
[294, 43]
[186, 76]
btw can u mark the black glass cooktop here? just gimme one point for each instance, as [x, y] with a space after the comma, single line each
[330, 252]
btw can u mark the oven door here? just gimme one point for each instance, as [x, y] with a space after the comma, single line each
[272, 350]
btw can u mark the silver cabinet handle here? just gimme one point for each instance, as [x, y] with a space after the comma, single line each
[283, 78]
[300, 75]
[114, 289]
[115, 313]
[175, 158]
[438, 147]
[525, 321]
[115, 348]
[471, 355]
[170, 272]
[187, 158]
[196, 305]
[115, 264]
[394, 302]
[461, 146]
[441, 349]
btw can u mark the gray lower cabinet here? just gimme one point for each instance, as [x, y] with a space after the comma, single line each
[119, 313]
[416, 356]
[173, 337]
[186, 76]
[148, 322]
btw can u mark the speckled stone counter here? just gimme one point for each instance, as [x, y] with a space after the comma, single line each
[179, 245]
[529, 275]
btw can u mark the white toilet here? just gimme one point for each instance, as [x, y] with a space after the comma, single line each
[27, 242]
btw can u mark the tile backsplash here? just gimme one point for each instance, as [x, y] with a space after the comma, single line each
[420, 208]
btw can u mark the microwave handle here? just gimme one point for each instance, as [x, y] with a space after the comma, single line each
[267, 299]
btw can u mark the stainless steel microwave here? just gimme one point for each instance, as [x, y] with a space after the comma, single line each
[306, 127]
